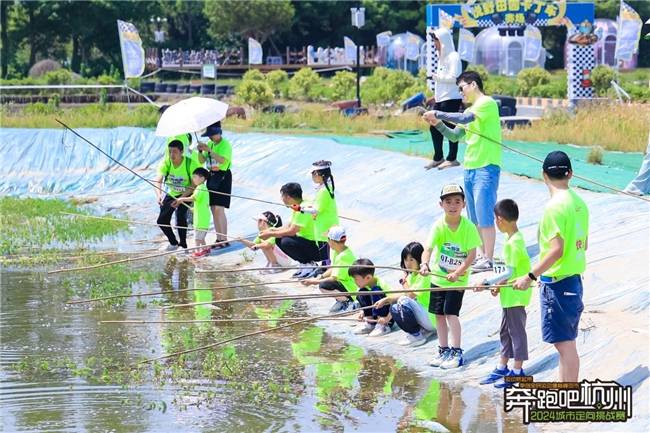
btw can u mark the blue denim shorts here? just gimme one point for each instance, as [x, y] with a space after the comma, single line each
[481, 186]
[561, 307]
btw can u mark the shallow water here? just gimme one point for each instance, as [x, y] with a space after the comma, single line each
[321, 383]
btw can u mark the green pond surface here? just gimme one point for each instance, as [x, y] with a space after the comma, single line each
[298, 379]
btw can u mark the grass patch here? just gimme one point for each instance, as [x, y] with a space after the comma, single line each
[611, 126]
[32, 226]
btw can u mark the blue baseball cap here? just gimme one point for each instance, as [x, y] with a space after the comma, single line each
[214, 129]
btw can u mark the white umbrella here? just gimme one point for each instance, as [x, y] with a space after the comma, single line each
[190, 115]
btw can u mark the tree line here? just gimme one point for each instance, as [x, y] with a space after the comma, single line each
[82, 35]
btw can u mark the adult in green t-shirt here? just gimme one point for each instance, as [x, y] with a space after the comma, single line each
[297, 240]
[216, 154]
[563, 239]
[480, 127]
[176, 172]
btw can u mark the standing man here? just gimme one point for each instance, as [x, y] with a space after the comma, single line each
[447, 96]
[480, 126]
[563, 238]
[216, 154]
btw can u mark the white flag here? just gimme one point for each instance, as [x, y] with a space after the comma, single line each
[132, 52]
[350, 50]
[629, 32]
[383, 39]
[412, 46]
[533, 44]
[254, 52]
[466, 45]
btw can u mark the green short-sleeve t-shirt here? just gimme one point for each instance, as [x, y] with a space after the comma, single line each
[223, 149]
[202, 214]
[344, 258]
[306, 223]
[481, 152]
[516, 257]
[417, 281]
[177, 178]
[566, 215]
[327, 215]
[450, 249]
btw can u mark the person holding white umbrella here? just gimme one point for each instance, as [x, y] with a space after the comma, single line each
[216, 154]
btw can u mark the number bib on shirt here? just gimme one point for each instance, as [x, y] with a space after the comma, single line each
[499, 266]
[176, 183]
[451, 258]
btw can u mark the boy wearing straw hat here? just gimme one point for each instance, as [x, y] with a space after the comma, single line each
[337, 279]
[452, 243]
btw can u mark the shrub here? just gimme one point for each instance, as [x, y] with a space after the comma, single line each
[108, 79]
[637, 93]
[387, 85]
[531, 77]
[253, 74]
[498, 85]
[344, 85]
[304, 84]
[255, 93]
[39, 108]
[601, 77]
[555, 89]
[279, 82]
[481, 70]
[60, 76]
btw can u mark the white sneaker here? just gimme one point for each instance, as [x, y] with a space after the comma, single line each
[380, 330]
[483, 264]
[169, 247]
[454, 359]
[363, 328]
[443, 353]
[412, 340]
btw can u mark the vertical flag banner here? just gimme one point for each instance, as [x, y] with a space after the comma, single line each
[350, 50]
[466, 41]
[444, 19]
[629, 32]
[254, 52]
[533, 39]
[132, 51]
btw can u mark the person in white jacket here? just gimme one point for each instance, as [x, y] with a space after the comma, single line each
[447, 96]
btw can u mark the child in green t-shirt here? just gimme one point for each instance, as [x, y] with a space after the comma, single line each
[200, 210]
[514, 342]
[452, 243]
[275, 258]
[337, 279]
[376, 321]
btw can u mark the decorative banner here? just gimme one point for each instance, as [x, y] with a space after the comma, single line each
[466, 45]
[412, 46]
[383, 39]
[254, 52]
[132, 52]
[513, 12]
[350, 50]
[533, 39]
[444, 19]
[629, 32]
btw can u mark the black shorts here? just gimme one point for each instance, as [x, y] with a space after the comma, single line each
[220, 182]
[446, 302]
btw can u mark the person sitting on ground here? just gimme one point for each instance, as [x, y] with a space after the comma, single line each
[482, 159]
[452, 243]
[176, 174]
[410, 311]
[201, 209]
[216, 154]
[337, 279]
[376, 321]
[298, 239]
[514, 342]
[563, 241]
[275, 257]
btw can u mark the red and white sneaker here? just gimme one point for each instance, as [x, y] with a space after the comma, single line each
[201, 253]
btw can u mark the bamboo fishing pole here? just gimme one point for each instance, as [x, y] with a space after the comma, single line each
[115, 160]
[151, 256]
[586, 179]
[144, 223]
[329, 295]
[279, 319]
[165, 292]
[275, 203]
[291, 268]
[250, 334]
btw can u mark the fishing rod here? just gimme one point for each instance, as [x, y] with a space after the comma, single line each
[279, 319]
[80, 215]
[331, 295]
